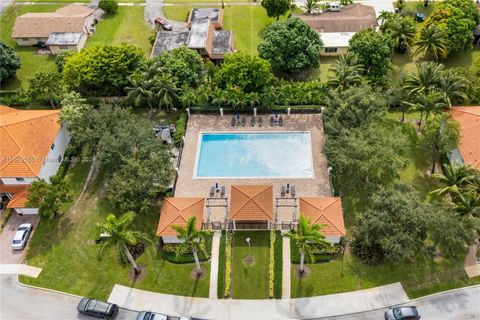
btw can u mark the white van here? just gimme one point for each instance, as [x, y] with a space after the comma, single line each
[333, 6]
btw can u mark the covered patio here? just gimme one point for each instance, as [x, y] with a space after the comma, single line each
[177, 211]
[326, 211]
[251, 207]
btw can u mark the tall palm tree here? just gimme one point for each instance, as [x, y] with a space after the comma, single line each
[453, 86]
[426, 104]
[402, 31]
[345, 73]
[139, 91]
[468, 204]
[311, 5]
[455, 176]
[384, 16]
[432, 41]
[120, 237]
[165, 91]
[426, 78]
[193, 240]
[307, 235]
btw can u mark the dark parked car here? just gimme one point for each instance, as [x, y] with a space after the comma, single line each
[402, 313]
[97, 308]
[419, 17]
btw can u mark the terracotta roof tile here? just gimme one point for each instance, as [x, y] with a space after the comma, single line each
[19, 198]
[327, 211]
[177, 211]
[469, 146]
[251, 203]
[25, 140]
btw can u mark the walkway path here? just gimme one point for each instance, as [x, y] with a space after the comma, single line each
[23, 269]
[472, 266]
[313, 307]
[286, 268]
[214, 265]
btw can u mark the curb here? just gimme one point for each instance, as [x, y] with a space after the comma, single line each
[46, 289]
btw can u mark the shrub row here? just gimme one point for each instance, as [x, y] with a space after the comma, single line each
[221, 267]
[228, 263]
[169, 252]
[5, 216]
[181, 126]
[271, 264]
[278, 268]
[320, 255]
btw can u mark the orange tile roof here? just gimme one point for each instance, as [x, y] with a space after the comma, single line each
[177, 211]
[327, 211]
[25, 140]
[251, 203]
[19, 198]
[469, 146]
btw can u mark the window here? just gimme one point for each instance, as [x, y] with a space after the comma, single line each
[59, 158]
[20, 179]
[53, 146]
[25, 39]
[63, 47]
[330, 50]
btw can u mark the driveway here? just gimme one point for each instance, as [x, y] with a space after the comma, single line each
[461, 304]
[7, 255]
[154, 9]
[19, 302]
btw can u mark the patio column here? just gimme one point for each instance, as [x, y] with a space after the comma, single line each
[254, 112]
[188, 112]
[276, 210]
[221, 112]
[268, 225]
[288, 110]
[234, 225]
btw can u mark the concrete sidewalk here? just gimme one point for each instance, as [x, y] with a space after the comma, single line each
[214, 265]
[22, 269]
[286, 268]
[313, 307]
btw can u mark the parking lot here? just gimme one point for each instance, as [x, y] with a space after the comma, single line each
[7, 255]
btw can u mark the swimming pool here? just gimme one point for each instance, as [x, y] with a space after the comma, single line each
[254, 155]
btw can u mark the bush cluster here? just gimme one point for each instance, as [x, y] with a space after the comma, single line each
[181, 126]
[320, 254]
[170, 253]
[228, 263]
[221, 267]
[109, 6]
[278, 268]
[271, 265]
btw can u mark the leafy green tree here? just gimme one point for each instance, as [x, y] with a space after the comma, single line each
[102, 69]
[61, 57]
[141, 178]
[120, 237]
[402, 30]
[346, 2]
[10, 61]
[276, 8]
[467, 204]
[432, 42]
[457, 18]
[46, 86]
[165, 91]
[439, 136]
[345, 73]
[307, 235]
[48, 197]
[246, 72]
[184, 64]
[291, 45]
[366, 158]
[454, 177]
[373, 51]
[393, 229]
[193, 240]
[311, 6]
[109, 6]
[75, 114]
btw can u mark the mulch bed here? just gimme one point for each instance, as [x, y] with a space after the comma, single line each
[302, 275]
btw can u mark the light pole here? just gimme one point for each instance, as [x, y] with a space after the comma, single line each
[249, 252]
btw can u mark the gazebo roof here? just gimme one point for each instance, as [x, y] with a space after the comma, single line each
[251, 203]
[327, 211]
[177, 211]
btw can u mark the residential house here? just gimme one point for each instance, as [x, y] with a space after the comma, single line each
[204, 35]
[468, 151]
[32, 146]
[337, 28]
[65, 29]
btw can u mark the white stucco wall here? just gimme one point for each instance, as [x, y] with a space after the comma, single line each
[333, 239]
[14, 180]
[26, 211]
[51, 164]
[171, 240]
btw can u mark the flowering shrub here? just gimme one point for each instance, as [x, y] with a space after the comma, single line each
[271, 273]
[228, 263]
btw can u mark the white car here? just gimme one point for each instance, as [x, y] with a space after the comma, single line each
[21, 236]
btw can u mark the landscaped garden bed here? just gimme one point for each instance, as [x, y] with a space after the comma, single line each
[169, 252]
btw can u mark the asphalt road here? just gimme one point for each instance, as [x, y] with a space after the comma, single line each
[19, 302]
[463, 304]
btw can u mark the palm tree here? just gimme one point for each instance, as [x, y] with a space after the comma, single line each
[139, 91]
[402, 31]
[120, 237]
[455, 177]
[345, 73]
[165, 91]
[384, 16]
[453, 86]
[193, 239]
[427, 103]
[426, 78]
[307, 235]
[467, 204]
[432, 41]
[311, 5]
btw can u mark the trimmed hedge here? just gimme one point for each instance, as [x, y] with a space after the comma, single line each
[278, 267]
[271, 264]
[324, 257]
[180, 127]
[221, 267]
[171, 256]
[228, 264]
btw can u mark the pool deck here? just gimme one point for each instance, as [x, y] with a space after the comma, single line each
[188, 186]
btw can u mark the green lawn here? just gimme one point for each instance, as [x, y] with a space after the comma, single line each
[246, 22]
[204, 1]
[127, 26]
[65, 249]
[250, 282]
[31, 61]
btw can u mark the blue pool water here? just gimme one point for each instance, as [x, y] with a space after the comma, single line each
[254, 155]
